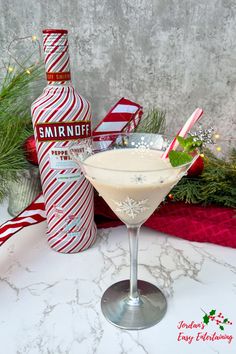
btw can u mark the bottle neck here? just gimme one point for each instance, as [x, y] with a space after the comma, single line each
[57, 61]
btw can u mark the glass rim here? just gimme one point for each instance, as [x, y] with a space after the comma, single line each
[83, 163]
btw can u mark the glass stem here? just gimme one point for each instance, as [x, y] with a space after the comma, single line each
[133, 232]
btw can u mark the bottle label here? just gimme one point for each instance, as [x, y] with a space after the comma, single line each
[60, 160]
[65, 76]
[63, 131]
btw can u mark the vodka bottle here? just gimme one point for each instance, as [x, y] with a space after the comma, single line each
[60, 116]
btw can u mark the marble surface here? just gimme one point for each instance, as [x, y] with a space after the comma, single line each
[50, 302]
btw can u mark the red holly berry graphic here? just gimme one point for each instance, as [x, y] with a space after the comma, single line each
[212, 316]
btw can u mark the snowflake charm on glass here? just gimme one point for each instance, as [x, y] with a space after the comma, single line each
[138, 179]
[131, 207]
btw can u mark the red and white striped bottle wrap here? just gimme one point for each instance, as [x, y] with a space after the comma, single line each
[60, 115]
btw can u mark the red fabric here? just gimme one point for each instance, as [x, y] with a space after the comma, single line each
[191, 222]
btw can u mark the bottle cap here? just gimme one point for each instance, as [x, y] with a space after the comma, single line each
[51, 30]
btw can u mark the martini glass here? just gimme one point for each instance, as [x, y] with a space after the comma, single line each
[128, 172]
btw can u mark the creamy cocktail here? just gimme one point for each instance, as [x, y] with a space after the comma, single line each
[132, 181]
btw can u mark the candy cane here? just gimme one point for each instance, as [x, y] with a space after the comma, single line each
[195, 116]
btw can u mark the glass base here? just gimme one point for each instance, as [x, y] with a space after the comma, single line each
[127, 314]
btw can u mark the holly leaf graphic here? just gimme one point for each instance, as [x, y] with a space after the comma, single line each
[222, 328]
[212, 312]
[225, 320]
[205, 319]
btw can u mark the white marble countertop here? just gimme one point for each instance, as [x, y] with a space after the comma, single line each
[50, 302]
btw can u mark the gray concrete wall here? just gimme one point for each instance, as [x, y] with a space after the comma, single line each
[175, 54]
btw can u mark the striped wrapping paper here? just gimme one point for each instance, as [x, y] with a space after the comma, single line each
[125, 115]
[33, 214]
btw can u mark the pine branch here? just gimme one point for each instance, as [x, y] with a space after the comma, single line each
[216, 185]
[12, 136]
[12, 158]
[16, 96]
[154, 122]
[16, 90]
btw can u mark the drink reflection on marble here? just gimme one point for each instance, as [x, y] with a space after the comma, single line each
[128, 172]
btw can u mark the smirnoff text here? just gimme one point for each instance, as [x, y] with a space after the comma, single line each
[63, 131]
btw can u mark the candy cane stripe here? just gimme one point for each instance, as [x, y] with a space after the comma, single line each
[195, 116]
